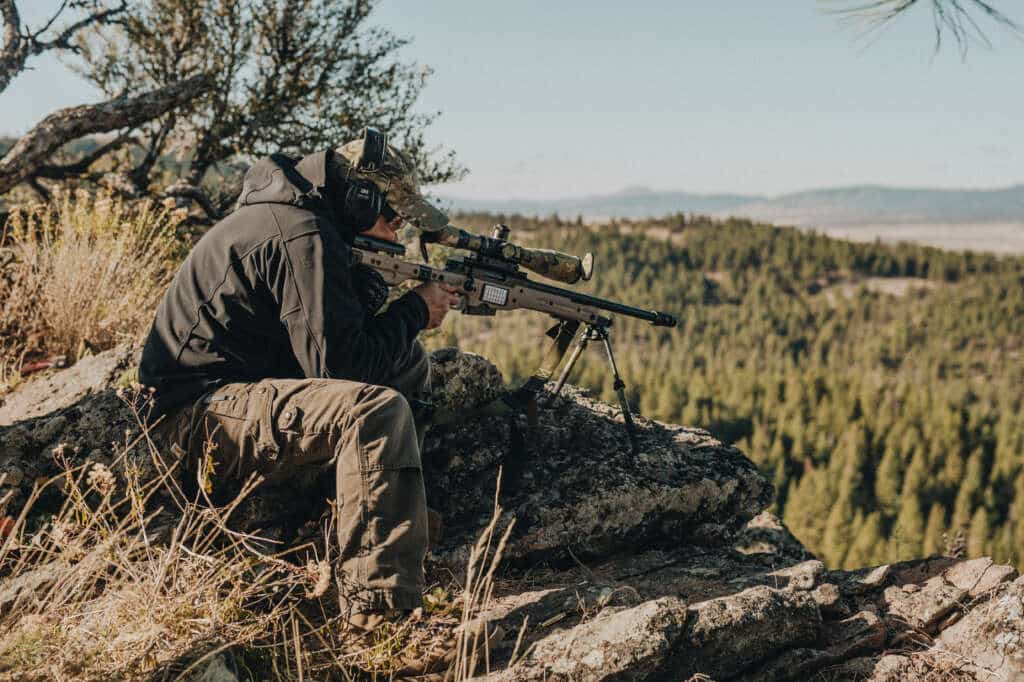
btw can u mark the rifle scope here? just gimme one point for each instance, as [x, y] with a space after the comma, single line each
[549, 263]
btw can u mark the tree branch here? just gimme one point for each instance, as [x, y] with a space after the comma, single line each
[15, 50]
[30, 152]
[140, 174]
[63, 40]
[37, 187]
[55, 172]
[18, 46]
[53, 18]
[196, 194]
[954, 16]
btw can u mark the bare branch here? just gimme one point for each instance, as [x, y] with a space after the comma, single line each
[53, 18]
[15, 50]
[140, 174]
[31, 151]
[39, 189]
[63, 41]
[956, 17]
[18, 46]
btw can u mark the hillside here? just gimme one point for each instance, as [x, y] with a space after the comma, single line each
[867, 205]
[982, 220]
[635, 202]
[865, 395]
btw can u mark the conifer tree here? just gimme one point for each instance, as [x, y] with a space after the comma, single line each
[978, 534]
[908, 531]
[934, 532]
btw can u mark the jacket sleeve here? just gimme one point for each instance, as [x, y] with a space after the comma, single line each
[331, 335]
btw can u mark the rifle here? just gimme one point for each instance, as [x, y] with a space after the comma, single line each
[491, 278]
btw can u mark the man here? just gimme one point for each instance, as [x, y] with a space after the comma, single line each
[269, 355]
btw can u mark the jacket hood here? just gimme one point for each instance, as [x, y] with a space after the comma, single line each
[280, 179]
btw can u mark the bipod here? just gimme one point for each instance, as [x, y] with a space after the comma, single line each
[594, 333]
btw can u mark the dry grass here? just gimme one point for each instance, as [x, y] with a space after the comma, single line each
[114, 586]
[82, 273]
[130, 579]
[473, 645]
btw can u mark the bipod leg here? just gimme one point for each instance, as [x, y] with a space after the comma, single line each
[620, 390]
[561, 337]
[581, 345]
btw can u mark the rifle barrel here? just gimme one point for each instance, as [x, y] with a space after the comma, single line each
[655, 317]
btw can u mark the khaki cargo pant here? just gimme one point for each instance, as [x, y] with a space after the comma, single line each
[281, 428]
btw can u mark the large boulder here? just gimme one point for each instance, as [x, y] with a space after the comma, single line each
[53, 391]
[676, 613]
[68, 417]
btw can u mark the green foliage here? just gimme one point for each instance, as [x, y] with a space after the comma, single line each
[293, 77]
[878, 386]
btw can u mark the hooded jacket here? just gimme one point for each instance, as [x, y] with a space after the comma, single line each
[268, 292]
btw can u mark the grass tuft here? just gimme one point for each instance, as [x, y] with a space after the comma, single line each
[80, 275]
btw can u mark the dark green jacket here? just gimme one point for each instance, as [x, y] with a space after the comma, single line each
[268, 292]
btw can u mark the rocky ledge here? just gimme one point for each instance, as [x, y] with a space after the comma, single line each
[658, 566]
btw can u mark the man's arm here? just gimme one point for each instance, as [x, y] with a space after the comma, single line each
[331, 336]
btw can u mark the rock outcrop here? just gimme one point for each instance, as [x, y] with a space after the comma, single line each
[662, 565]
[571, 481]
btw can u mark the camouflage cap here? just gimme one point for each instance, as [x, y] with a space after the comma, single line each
[397, 181]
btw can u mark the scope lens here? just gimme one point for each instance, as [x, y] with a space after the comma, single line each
[587, 266]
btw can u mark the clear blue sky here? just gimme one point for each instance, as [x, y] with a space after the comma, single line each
[546, 99]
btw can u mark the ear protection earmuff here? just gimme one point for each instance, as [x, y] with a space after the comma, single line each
[362, 204]
[363, 200]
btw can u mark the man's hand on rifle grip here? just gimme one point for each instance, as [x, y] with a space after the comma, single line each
[440, 298]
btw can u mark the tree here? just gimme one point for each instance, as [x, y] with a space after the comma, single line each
[935, 530]
[978, 534]
[908, 531]
[27, 160]
[868, 546]
[293, 76]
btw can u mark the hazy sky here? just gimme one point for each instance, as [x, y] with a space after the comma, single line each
[545, 99]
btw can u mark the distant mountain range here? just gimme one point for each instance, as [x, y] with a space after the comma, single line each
[839, 207]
